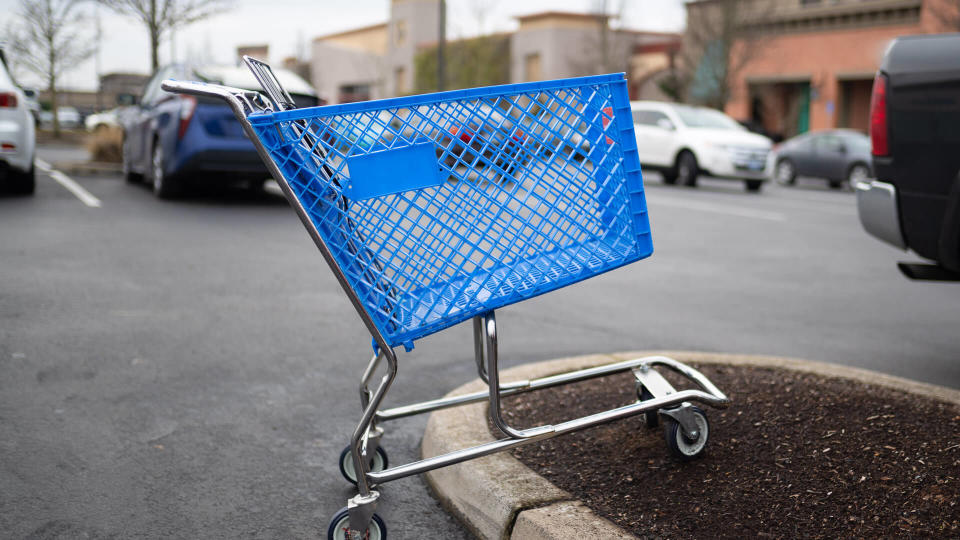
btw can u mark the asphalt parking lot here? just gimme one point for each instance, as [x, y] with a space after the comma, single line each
[189, 369]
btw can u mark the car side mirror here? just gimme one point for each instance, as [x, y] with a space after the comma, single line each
[666, 124]
[127, 99]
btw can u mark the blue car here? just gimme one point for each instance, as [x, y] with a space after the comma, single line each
[173, 141]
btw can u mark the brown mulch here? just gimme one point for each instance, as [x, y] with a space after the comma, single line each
[795, 455]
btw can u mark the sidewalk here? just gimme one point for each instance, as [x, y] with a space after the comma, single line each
[498, 497]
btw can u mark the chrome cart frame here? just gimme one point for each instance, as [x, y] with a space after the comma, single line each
[657, 397]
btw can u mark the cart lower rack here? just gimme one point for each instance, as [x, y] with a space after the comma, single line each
[437, 209]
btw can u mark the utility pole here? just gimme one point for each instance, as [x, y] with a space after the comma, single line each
[441, 42]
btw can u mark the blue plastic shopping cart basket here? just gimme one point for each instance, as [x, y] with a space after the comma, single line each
[435, 209]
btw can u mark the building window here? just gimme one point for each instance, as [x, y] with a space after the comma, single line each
[399, 32]
[353, 92]
[399, 81]
[531, 67]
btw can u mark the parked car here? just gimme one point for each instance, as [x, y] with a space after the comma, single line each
[32, 103]
[18, 141]
[69, 118]
[172, 140]
[684, 142]
[914, 203]
[101, 120]
[836, 155]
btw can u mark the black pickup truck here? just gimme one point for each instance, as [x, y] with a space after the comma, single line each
[914, 203]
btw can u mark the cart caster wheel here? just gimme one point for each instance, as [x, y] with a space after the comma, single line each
[339, 528]
[377, 464]
[652, 417]
[681, 446]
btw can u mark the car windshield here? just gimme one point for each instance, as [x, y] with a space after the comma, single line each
[694, 117]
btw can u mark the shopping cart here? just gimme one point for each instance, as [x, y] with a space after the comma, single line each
[437, 209]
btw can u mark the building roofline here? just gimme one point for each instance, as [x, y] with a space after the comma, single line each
[670, 35]
[351, 31]
[567, 14]
[429, 44]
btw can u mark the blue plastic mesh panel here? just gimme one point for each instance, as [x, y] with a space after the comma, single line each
[538, 186]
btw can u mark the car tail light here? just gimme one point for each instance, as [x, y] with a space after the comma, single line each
[8, 147]
[878, 117]
[188, 105]
[8, 99]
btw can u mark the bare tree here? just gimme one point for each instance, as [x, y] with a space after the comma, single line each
[163, 16]
[609, 49]
[722, 37]
[50, 40]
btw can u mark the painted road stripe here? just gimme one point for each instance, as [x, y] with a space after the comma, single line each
[717, 208]
[85, 196]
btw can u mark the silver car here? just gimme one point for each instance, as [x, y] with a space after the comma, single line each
[17, 136]
[836, 155]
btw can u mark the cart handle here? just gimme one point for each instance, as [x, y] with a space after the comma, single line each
[245, 102]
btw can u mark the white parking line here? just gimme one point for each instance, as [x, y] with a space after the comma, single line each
[85, 196]
[717, 208]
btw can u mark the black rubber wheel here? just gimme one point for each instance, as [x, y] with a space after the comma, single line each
[669, 176]
[378, 463]
[24, 183]
[754, 186]
[164, 185]
[687, 169]
[785, 172]
[339, 528]
[681, 446]
[652, 418]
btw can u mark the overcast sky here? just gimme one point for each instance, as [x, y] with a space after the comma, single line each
[289, 24]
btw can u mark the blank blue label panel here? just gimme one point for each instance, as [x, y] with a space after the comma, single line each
[393, 171]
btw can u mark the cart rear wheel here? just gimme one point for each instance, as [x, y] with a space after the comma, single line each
[682, 447]
[339, 528]
[652, 417]
[377, 463]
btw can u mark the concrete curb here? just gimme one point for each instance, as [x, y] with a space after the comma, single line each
[497, 497]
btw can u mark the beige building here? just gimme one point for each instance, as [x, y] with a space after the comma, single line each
[379, 61]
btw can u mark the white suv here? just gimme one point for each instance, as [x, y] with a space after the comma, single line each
[17, 136]
[683, 142]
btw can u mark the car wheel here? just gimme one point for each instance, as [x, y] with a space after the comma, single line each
[687, 169]
[858, 173]
[24, 183]
[786, 172]
[128, 173]
[669, 176]
[164, 186]
[754, 186]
